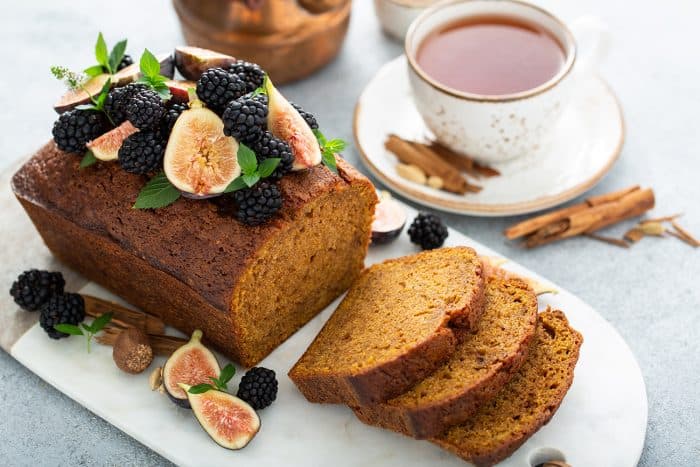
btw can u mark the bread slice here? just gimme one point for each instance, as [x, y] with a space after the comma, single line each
[394, 328]
[482, 364]
[527, 402]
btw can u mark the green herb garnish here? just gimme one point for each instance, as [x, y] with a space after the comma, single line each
[157, 193]
[252, 171]
[71, 79]
[107, 62]
[150, 75]
[87, 330]
[88, 159]
[329, 148]
[220, 383]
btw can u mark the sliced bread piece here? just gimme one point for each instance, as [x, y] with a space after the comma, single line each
[526, 403]
[394, 328]
[482, 364]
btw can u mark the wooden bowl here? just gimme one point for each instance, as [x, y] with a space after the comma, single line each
[288, 41]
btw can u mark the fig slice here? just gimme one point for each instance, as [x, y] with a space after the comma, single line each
[106, 147]
[191, 62]
[228, 420]
[179, 89]
[132, 72]
[200, 160]
[285, 122]
[389, 219]
[191, 364]
[76, 97]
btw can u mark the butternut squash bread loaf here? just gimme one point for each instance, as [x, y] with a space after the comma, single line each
[482, 364]
[248, 288]
[394, 328]
[527, 402]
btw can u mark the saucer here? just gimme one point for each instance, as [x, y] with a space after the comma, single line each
[586, 143]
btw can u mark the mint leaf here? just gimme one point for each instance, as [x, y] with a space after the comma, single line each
[116, 55]
[226, 374]
[247, 159]
[329, 149]
[101, 53]
[200, 388]
[100, 322]
[251, 179]
[237, 184]
[71, 329]
[335, 145]
[319, 136]
[94, 71]
[258, 91]
[157, 193]
[268, 166]
[149, 64]
[88, 160]
[329, 161]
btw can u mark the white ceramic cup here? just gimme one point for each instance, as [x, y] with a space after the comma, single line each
[498, 128]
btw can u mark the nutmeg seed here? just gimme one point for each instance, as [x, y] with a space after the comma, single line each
[132, 351]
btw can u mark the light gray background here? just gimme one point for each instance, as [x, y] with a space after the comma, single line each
[650, 293]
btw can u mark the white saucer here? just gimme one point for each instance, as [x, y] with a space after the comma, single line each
[587, 142]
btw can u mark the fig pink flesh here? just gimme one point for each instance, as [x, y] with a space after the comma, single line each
[193, 368]
[229, 419]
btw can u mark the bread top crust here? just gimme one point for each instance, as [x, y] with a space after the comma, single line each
[189, 239]
[394, 307]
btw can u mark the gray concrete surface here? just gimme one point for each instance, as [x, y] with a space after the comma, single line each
[649, 293]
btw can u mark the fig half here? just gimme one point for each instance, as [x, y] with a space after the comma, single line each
[199, 159]
[228, 420]
[389, 219]
[106, 147]
[179, 89]
[191, 364]
[76, 97]
[285, 122]
[191, 62]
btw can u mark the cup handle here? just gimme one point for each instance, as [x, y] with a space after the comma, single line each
[593, 39]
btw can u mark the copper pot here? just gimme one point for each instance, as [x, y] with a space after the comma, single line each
[290, 39]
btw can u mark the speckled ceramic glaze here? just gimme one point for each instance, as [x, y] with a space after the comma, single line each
[492, 129]
[397, 15]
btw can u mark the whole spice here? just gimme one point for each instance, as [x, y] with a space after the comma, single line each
[155, 380]
[435, 182]
[161, 344]
[411, 172]
[123, 317]
[132, 351]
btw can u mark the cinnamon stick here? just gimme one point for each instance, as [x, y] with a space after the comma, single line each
[161, 344]
[429, 163]
[430, 155]
[610, 240]
[684, 233]
[122, 316]
[462, 162]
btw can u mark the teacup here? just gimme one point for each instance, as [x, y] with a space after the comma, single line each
[496, 128]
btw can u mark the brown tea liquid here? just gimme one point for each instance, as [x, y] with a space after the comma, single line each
[491, 55]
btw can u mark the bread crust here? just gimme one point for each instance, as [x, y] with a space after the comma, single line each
[395, 376]
[183, 262]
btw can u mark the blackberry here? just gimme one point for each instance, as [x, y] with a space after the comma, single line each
[33, 288]
[68, 308]
[258, 387]
[245, 119]
[308, 117]
[126, 61]
[118, 98]
[75, 128]
[142, 152]
[145, 109]
[258, 204]
[217, 87]
[428, 231]
[250, 73]
[271, 147]
[171, 115]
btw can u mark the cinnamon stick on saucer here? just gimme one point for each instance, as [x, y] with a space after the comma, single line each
[587, 217]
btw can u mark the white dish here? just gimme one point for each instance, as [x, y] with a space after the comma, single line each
[587, 141]
[601, 422]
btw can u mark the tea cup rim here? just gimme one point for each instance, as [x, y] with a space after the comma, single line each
[561, 74]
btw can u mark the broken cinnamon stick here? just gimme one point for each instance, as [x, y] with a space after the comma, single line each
[429, 163]
[684, 233]
[462, 162]
[122, 316]
[161, 344]
[610, 240]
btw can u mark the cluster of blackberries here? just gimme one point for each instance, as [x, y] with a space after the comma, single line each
[36, 290]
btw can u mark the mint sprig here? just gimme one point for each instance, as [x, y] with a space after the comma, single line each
[107, 61]
[220, 383]
[329, 148]
[88, 159]
[157, 193]
[87, 330]
[150, 74]
[251, 171]
[98, 102]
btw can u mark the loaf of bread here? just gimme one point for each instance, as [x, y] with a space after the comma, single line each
[395, 326]
[482, 364]
[526, 403]
[248, 288]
